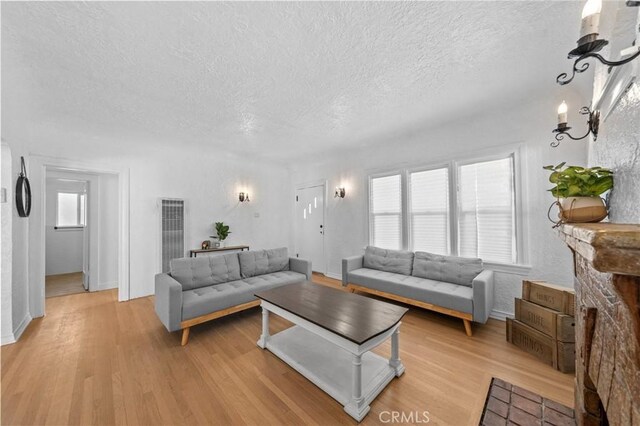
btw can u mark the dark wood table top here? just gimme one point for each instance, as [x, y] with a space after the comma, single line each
[214, 249]
[354, 317]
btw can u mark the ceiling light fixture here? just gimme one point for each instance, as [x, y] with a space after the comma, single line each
[589, 44]
[593, 122]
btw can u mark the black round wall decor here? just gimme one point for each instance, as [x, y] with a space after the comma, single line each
[23, 192]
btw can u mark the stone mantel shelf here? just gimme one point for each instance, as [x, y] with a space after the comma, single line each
[611, 247]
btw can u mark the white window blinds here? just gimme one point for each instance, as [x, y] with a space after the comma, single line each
[385, 207]
[486, 211]
[429, 211]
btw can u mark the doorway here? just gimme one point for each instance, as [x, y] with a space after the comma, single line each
[66, 234]
[81, 231]
[310, 227]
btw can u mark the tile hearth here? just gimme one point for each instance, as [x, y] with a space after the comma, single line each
[508, 404]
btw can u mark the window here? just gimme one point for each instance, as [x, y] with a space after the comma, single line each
[429, 211]
[385, 207]
[486, 211]
[70, 210]
[462, 208]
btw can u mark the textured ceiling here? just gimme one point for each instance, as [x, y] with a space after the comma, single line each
[280, 80]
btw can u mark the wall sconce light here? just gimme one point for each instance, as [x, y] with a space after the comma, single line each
[243, 197]
[340, 192]
[589, 44]
[593, 122]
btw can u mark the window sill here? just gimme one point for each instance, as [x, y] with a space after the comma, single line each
[508, 268]
[68, 228]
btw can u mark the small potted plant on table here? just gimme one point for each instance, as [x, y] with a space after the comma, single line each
[222, 232]
[578, 191]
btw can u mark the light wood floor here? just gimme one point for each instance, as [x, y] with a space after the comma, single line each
[63, 284]
[93, 360]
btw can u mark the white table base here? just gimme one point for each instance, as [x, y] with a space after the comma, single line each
[348, 372]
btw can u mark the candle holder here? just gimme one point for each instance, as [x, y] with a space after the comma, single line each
[593, 123]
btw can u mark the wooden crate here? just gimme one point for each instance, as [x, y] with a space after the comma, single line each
[559, 355]
[554, 324]
[561, 299]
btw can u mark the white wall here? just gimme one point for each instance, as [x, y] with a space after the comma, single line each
[618, 144]
[6, 322]
[530, 124]
[63, 246]
[208, 181]
[20, 234]
[108, 231]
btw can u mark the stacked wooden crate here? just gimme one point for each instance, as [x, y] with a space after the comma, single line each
[544, 324]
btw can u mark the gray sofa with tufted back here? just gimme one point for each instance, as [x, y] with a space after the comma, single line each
[204, 288]
[452, 285]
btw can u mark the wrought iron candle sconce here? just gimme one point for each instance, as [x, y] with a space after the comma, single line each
[586, 51]
[589, 44]
[243, 197]
[340, 192]
[593, 123]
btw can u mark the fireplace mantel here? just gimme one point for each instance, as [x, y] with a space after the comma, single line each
[607, 270]
[610, 247]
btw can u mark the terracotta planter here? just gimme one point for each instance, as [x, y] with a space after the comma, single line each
[582, 209]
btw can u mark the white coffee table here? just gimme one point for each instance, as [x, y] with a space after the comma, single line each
[331, 341]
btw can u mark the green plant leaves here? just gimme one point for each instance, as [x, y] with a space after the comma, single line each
[576, 181]
[222, 230]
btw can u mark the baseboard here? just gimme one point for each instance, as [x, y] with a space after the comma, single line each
[7, 339]
[500, 315]
[22, 326]
[334, 276]
[107, 286]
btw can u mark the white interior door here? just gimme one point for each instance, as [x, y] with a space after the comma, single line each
[310, 226]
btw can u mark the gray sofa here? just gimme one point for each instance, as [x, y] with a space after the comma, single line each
[204, 288]
[451, 285]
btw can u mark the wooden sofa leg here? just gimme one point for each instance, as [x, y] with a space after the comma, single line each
[185, 335]
[467, 327]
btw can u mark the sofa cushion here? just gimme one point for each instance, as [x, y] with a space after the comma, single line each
[444, 294]
[397, 261]
[451, 269]
[203, 271]
[259, 262]
[204, 300]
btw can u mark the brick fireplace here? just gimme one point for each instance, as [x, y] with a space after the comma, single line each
[607, 283]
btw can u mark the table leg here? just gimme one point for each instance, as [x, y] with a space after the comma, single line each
[395, 361]
[356, 408]
[262, 342]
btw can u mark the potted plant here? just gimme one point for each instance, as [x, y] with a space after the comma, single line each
[578, 190]
[222, 231]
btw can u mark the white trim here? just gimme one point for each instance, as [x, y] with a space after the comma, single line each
[22, 326]
[7, 339]
[334, 276]
[107, 286]
[500, 315]
[508, 268]
[37, 165]
[17, 333]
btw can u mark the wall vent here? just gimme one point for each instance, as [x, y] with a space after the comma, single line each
[172, 231]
